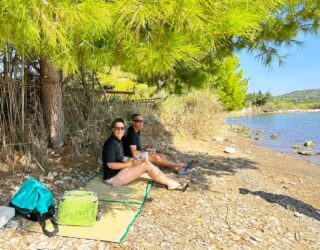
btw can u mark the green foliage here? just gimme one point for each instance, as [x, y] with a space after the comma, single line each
[229, 83]
[307, 95]
[157, 38]
[117, 79]
[303, 99]
[64, 31]
[259, 99]
[291, 104]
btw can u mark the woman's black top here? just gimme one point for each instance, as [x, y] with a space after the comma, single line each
[112, 152]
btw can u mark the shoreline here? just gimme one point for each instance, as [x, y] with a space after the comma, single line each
[251, 112]
[314, 158]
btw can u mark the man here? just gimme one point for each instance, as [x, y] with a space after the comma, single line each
[132, 147]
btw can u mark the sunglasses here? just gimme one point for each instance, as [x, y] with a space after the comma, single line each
[139, 121]
[119, 128]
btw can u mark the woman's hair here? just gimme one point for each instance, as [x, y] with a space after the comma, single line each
[113, 124]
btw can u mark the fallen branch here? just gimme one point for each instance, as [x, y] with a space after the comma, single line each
[39, 164]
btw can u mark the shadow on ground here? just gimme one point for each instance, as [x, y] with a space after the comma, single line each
[287, 202]
[209, 166]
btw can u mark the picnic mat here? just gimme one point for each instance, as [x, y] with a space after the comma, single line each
[134, 193]
[120, 205]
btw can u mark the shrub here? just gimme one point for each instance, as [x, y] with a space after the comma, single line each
[197, 113]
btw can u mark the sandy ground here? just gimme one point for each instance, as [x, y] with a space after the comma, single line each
[255, 198]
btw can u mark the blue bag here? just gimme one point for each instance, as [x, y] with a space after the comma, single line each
[36, 202]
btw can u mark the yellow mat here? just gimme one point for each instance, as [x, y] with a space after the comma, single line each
[133, 193]
[120, 205]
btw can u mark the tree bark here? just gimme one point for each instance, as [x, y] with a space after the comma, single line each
[52, 102]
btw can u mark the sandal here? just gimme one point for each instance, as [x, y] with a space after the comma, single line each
[180, 187]
[187, 168]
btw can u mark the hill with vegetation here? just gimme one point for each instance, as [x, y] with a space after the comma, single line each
[301, 95]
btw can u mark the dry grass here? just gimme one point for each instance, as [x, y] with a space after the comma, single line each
[198, 113]
[88, 119]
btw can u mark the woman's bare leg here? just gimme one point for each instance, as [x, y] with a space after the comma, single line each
[157, 175]
[128, 175]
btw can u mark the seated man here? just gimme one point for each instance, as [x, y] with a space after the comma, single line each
[132, 148]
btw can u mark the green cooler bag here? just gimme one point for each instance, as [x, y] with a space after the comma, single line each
[78, 208]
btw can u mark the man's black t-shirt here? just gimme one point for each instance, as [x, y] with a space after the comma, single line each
[112, 152]
[131, 138]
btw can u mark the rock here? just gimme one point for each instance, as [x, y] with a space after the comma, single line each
[6, 214]
[229, 150]
[211, 236]
[274, 136]
[59, 182]
[27, 170]
[255, 238]
[50, 176]
[296, 214]
[41, 178]
[218, 139]
[309, 144]
[296, 146]
[13, 224]
[258, 138]
[66, 178]
[49, 160]
[304, 152]
[259, 132]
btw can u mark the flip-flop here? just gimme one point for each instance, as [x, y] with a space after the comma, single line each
[186, 169]
[181, 187]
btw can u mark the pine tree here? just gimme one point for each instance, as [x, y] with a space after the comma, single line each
[156, 40]
[63, 35]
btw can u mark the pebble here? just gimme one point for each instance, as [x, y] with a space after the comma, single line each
[229, 150]
[218, 138]
[49, 160]
[196, 219]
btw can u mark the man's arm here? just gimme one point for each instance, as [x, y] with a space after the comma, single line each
[134, 151]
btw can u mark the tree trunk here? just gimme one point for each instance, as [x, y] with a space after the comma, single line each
[52, 102]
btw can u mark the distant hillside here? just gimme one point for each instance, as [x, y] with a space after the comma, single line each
[302, 95]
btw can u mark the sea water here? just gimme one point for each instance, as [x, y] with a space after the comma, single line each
[290, 128]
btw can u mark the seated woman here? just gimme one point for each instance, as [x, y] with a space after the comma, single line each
[119, 171]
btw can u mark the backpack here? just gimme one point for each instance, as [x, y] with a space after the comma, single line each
[36, 202]
[78, 208]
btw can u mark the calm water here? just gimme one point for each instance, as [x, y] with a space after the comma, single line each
[291, 128]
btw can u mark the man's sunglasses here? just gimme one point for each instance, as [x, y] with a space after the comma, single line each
[119, 128]
[139, 121]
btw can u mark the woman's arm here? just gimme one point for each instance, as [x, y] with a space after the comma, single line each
[120, 165]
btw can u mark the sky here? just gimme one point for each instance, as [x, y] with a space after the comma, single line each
[300, 71]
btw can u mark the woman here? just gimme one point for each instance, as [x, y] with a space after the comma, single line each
[119, 171]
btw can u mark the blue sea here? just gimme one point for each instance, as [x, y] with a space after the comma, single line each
[291, 129]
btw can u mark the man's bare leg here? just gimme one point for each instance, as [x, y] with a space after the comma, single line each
[163, 162]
